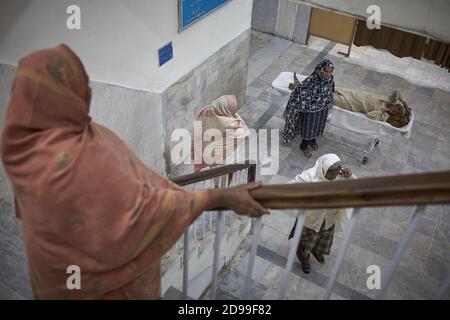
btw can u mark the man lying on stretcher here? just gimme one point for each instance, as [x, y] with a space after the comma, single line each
[393, 109]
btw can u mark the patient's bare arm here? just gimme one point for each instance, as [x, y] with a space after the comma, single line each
[296, 82]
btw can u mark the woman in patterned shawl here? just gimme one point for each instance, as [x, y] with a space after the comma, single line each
[84, 198]
[307, 109]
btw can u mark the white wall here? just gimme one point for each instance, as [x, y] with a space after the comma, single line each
[427, 17]
[119, 39]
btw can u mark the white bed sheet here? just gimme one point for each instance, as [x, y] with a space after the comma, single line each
[352, 121]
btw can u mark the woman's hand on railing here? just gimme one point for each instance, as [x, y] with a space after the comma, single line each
[238, 199]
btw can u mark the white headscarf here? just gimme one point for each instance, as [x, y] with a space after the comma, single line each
[318, 172]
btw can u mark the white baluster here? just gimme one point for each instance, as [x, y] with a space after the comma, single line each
[210, 221]
[251, 259]
[186, 263]
[227, 218]
[195, 221]
[217, 244]
[291, 256]
[400, 251]
[195, 230]
[226, 181]
[203, 216]
[341, 253]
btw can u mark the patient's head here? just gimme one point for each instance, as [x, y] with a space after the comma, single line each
[399, 114]
[397, 109]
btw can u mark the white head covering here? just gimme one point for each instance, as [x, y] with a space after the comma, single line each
[318, 172]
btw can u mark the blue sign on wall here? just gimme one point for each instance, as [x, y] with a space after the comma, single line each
[193, 10]
[165, 53]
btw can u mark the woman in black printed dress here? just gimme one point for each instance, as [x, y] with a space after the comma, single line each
[307, 109]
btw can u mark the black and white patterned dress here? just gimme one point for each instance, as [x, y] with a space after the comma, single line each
[307, 109]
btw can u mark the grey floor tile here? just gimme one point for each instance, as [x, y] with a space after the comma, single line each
[260, 84]
[426, 226]
[411, 281]
[428, 92]
[444, 229]
[8, 219]
[224, 295]
[436, 269]
[373, 79]
[440, 247]
[233, 284]
[264, 96]
[7, 293]
[422, 161]
[384, 247]
[363, 238]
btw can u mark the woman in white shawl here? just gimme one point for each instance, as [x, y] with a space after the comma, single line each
[318, 229]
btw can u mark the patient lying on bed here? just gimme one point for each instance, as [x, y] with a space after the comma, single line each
[393, 109]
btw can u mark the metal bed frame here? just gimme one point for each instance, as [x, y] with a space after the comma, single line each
[373, 141]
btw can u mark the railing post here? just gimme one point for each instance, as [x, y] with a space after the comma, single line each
[194, 233]
[195, 230]
[186, 263]
[400, 251]
[217, 244]
[210, 222]
[251, 174]
[443, 290]
[243, 176]
[251, 259]
[251, 177]
[291, 256]
[203, 225]
[341, 253]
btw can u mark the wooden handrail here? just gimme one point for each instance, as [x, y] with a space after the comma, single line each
[400, 190]
[216, 172]
[412, 189]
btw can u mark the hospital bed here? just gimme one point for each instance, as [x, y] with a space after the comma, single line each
[352, 121]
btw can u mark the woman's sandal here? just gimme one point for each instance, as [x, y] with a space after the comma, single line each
[306, 266]
[319, 257]
[304, 261]
[307, 153]
[315, 147]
